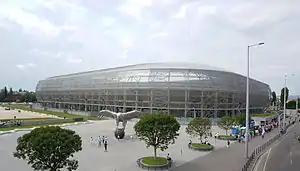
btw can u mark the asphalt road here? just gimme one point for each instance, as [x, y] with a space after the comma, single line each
[283, 156]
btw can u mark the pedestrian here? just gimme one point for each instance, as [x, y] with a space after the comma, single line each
[99, 141]
[228, 144]
[131, 137]
[103, 139]
[105, 146]
[91, 140]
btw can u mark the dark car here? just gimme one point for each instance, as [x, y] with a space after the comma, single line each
[7, 108]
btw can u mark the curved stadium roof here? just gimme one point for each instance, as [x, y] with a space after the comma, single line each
[143, 66]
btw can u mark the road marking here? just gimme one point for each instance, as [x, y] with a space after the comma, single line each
[290, 153]
[291, 161]
[259, 161]
[269, 152]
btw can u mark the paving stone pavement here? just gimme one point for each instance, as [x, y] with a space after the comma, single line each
[121, 155]
[226, 159]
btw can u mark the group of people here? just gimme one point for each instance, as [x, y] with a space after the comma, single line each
[100, 140]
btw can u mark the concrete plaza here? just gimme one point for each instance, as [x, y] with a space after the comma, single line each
[121, 155]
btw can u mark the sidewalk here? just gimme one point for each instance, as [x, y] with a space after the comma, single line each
[225, 159]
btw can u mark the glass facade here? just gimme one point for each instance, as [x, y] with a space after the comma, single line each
[178, 90]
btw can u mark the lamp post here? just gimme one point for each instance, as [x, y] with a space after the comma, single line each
[247, 97]
[284, 101]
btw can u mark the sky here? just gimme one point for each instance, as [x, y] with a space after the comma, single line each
[43, 38]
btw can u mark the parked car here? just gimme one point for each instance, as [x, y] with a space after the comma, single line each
[7, 108]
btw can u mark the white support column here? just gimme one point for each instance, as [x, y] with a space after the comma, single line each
[216, 104]
[115, 101]
[202, 104]
[136, 99]
[169, 112]
[151, 101]
[233, 104]
[169, 98]
[124, 101]
[185, 103]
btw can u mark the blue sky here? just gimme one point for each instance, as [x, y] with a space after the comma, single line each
[42, 38]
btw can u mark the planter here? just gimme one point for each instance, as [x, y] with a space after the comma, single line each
[142, 165]
[225, 137]
[200, 147]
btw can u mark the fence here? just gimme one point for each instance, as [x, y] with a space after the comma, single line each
[261, 148]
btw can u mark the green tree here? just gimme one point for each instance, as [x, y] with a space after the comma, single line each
[291, 104]
[158, 130]
[20, 90]
[241, 119]
[5, 92]
[226, 123]
[11, 92]
[274, 98]
[2, 95]
[28, 97]
[199, 127]
[49, 148]
[282, 94]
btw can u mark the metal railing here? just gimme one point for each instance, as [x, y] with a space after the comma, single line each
[262, 148]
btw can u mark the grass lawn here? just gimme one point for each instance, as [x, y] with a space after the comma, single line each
[263, 115]
[157, 161]
[30, 126]
[199, 145]
[227, 136]
[49, 112]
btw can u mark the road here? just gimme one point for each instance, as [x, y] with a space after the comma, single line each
[285, 155]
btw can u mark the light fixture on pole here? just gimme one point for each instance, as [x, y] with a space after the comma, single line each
[247, 97]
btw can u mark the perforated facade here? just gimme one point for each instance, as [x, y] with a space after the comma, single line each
[179, 89]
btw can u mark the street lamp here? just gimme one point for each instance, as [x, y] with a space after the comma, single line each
[247, 96]
[285, 99]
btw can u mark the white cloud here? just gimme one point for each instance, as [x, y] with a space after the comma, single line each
[182, 11]
[31, 23]
[108, 21]
[160, 34]
[135, 7]
[137, 31]
[74, 60]
[26, 65]
[207, 10]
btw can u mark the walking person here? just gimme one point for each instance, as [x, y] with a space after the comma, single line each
[105, 146]
[91, 140]
[228, 144]
[99, 141]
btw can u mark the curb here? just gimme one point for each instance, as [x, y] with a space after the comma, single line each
[201, 149]
[153, 167]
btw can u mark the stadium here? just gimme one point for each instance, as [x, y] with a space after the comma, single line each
[181, 89]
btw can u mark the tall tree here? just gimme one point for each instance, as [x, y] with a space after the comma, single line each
[10, 91]
[2, 95]
[158, 130]
[20, 90]
[274, 97]
[199, 127]
[226, 123]
[282, 96]
[5, 92]
[49, 148]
